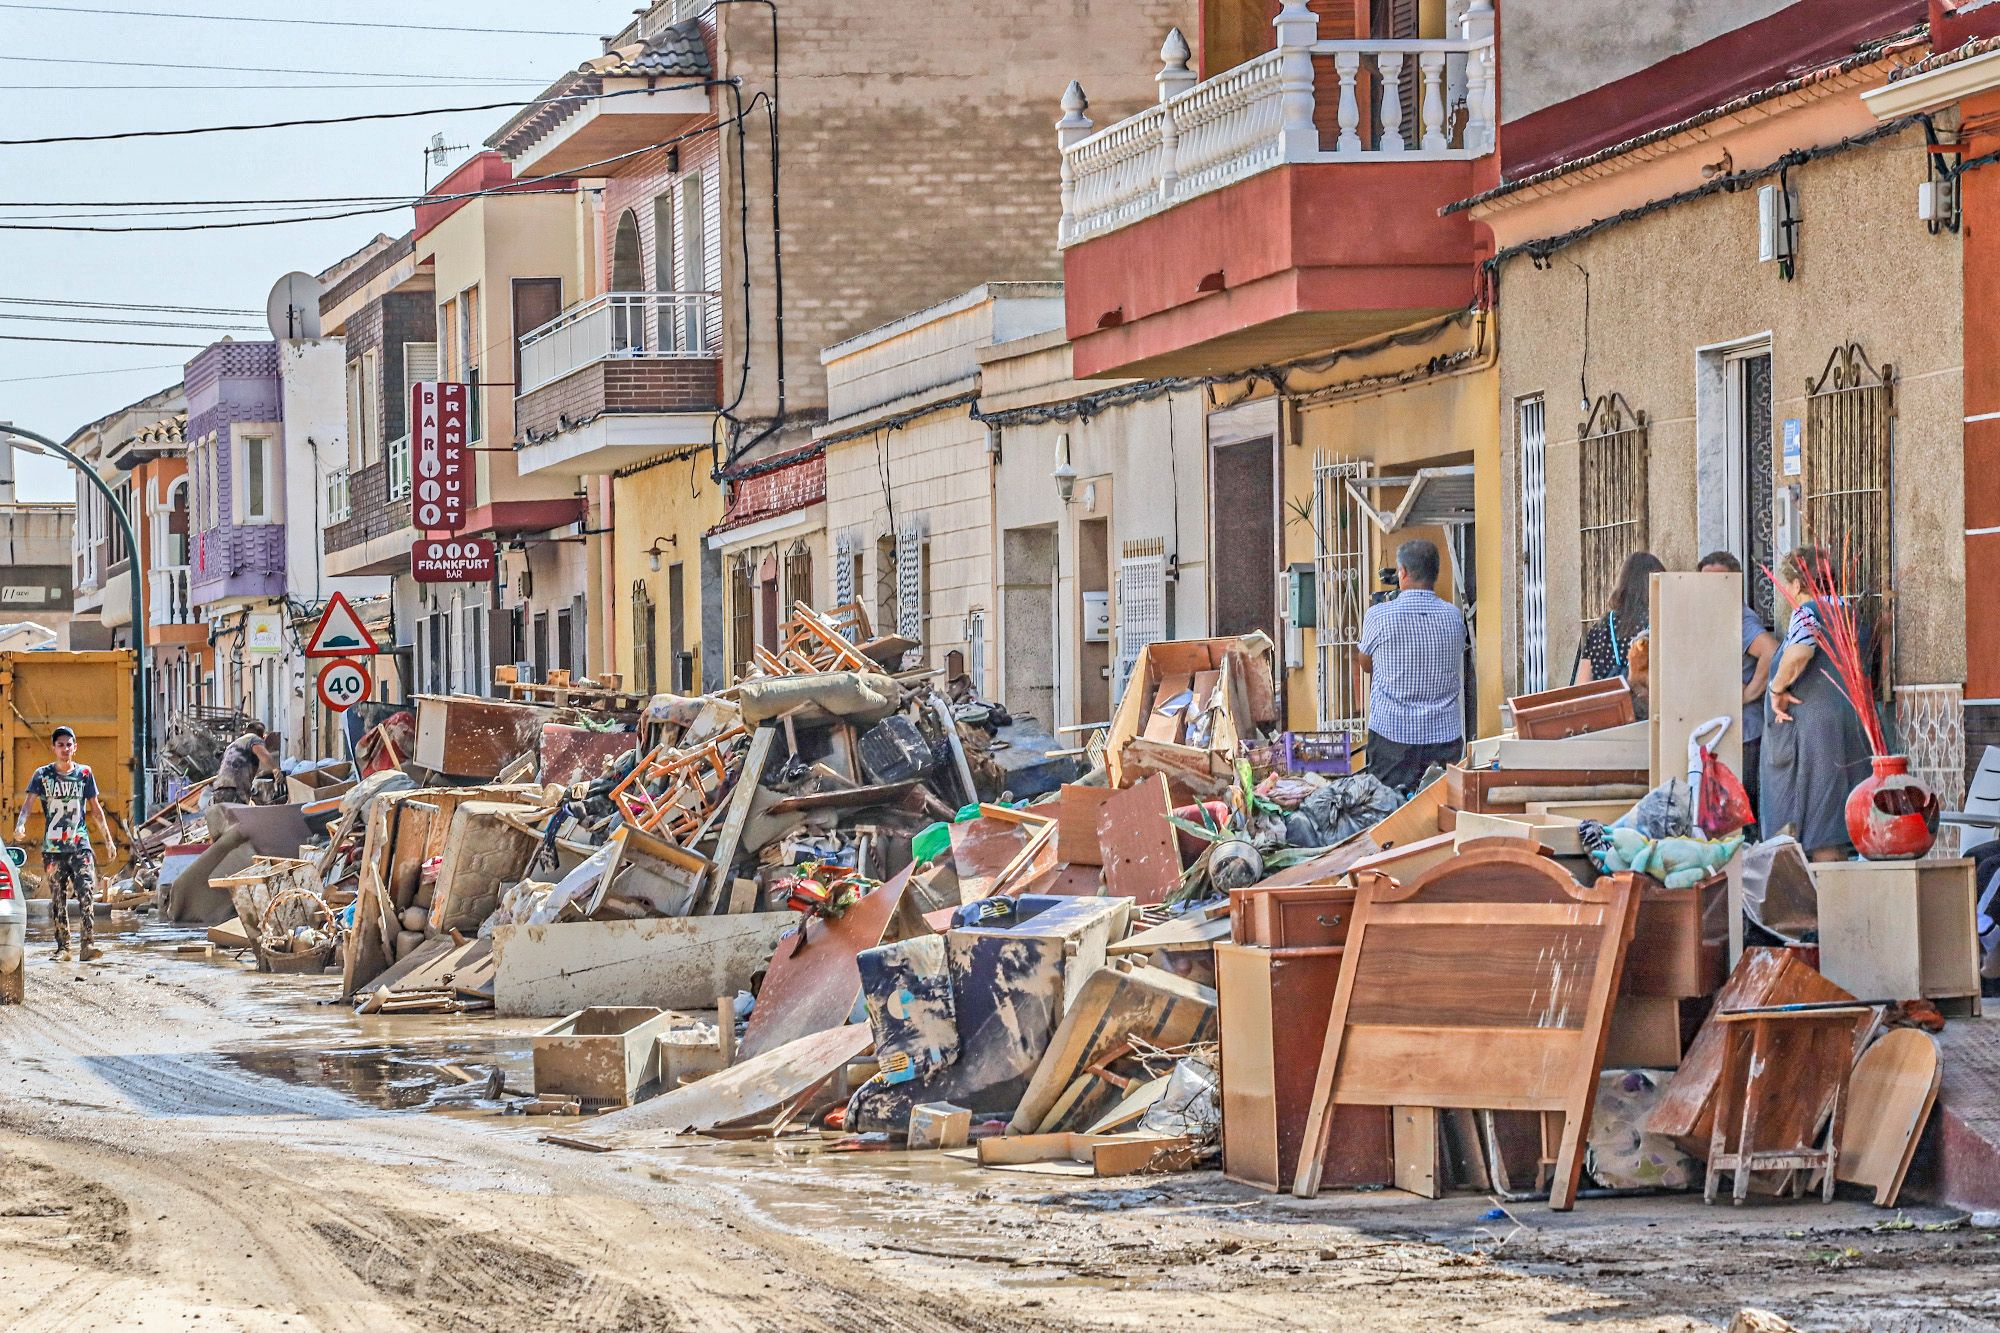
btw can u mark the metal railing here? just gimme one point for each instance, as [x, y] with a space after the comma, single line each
[170, 602]
[1413, 100]
[617, 326]
[339, 500]
[398, 458]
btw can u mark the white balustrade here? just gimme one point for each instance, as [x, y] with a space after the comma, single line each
[1265, 113]
[620, 325]
[169, 604]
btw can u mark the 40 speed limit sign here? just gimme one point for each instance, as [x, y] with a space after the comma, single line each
[343, 683]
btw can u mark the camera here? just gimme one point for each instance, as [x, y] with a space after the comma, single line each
[1388, 590]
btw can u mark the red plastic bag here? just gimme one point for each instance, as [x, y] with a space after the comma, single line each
[1725, 805]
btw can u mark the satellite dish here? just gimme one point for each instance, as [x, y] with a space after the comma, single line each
[293, 308]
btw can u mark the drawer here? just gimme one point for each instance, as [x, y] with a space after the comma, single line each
[1302, 918]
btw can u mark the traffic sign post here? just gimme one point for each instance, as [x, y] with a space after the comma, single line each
[340, 633]
[440, 414]
[343, 683]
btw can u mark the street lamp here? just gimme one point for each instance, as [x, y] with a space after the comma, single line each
[29, 442]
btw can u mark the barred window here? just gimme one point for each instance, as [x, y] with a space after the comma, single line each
[1849, 484]
[1611, 486]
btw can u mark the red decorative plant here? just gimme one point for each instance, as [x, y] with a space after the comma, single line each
[1836, 633]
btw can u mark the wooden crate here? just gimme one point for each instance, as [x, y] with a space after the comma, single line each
[1242, 676]
[1573, 710]
[1899, 930]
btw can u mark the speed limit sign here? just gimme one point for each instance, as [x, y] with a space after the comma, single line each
[343, 683]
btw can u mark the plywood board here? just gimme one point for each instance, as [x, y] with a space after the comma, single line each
[753, 1087]
[1894, 1086]
[1415, 1135]
[981, 850]
[1696, 667]
[1142, 859]
[1110, 1009]
[1076, 824]
[815, 987]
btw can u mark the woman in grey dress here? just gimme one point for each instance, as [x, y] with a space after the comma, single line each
[1814, 750]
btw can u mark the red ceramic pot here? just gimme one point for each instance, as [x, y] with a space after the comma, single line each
[1892, 816]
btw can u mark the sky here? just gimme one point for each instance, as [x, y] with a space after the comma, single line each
[47, 88]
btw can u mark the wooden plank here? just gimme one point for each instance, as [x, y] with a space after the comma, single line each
[730, 839]
[1433, 1056]
[1415, 1131]
[1076, 823]
[1620, 747]
[1894, 1086]
[1695, 667]
[1142, 859]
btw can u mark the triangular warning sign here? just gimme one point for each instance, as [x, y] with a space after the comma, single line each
[340, 633]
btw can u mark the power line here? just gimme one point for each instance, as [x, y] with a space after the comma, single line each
[302, 23]
[152, 204]
[184, 67]
[256, 87]
[81, 374]
[125, 323]
[95, 342]
[340, 120]
[131, 305]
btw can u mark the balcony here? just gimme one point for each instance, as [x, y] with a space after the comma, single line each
[375, 536]
[618, 379]
[339, 504]
[170, 603]
[1285, 206]
[595, 119]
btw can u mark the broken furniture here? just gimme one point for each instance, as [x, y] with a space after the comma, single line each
[601, 1055]
[1783, 1076]
[464, 736]
[1573, 710]
[814, 982]
[1900, 930]
[1081, 1075]
[1089, 1154]
[1889, 1097]
[1487, 983]
[1187, 707]
[667, 962]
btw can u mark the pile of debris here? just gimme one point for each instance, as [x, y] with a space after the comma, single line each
[804, 904]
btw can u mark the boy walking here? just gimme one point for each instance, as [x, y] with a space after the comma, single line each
[67, 791]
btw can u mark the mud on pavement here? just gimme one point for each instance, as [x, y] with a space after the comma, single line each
[187, 1146]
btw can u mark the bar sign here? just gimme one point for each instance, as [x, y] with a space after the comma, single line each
[439, 414]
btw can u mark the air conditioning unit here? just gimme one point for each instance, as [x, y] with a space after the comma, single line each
[1776, 207]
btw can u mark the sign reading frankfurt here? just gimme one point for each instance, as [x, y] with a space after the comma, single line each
[441, 472]
[452, 560]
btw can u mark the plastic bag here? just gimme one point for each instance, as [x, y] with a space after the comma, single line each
[1725, 805]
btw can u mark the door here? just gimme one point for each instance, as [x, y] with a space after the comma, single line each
[694, 261]
[679, 663]
[536, 302]
[1243, 528]
[1751, 479]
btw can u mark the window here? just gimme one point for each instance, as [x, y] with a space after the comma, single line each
[1611, 493]
[468, 354]
[799, 576]
[694, 260]
[357, 452]
[371, 407]
[741, 641]
[1531, 438]
[536, 302]
[1849, 469]
[256, 498]
[448, 362]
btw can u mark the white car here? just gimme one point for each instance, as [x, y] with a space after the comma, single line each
[13, 927]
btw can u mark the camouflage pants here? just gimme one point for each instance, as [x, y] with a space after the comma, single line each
[71, 875]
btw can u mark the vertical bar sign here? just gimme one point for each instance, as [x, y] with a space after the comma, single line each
[438, 415]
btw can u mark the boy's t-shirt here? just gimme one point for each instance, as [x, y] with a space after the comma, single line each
[64, 796]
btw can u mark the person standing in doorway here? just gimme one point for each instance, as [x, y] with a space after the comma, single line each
[1760, 649]
[68, 792]
[1413, 647]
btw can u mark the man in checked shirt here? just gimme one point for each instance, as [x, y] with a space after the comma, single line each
[1413, 647]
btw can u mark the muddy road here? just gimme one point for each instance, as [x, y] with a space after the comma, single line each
[186, 1144]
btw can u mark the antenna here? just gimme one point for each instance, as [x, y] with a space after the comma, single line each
[437, 153]
[292, 310]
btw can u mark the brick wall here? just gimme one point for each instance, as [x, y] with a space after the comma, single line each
[902, 189]
[373, 513]
[666, 384]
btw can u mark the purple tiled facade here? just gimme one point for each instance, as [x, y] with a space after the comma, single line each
[227, 384]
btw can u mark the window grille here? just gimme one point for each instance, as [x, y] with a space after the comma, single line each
[645, 630]
[1611, 476]
[1142, 604]
[910, 583]
[1531, 438]
[1849, 480]
[1340, 576]
[846, 586]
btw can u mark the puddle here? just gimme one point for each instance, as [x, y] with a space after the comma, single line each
[406, 1076]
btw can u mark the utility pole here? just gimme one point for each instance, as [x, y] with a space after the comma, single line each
[29, 442]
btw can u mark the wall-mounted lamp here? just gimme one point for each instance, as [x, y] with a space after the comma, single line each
[1064, 475]
[1722, 166]
[674, 161]
[656, 550]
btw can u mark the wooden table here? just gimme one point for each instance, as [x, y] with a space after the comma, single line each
[1784, 1075]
